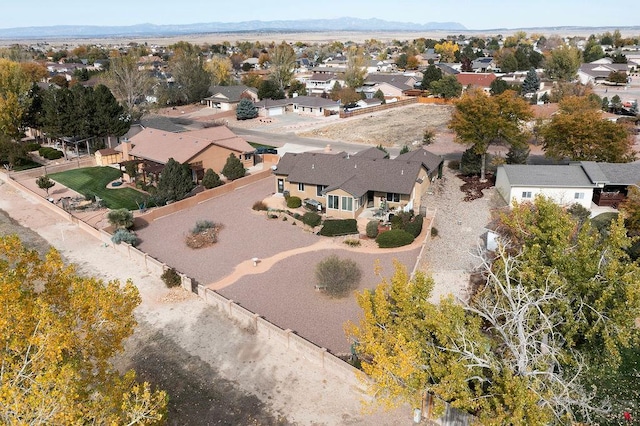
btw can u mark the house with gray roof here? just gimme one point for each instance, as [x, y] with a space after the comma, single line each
[306, 105]
[391, 85]
[345, 184]
[226, 98]
[585, 182]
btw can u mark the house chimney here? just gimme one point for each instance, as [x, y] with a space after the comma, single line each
[126, 146]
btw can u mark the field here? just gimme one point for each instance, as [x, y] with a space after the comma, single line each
[93, 181]
[392, 127]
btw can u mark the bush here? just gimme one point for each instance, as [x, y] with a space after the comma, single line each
[50, 153]
[120, 218]
[372, 228]
[471, 163]
[336, 227]
[294, 202]
[211, 179]
[201, 226]
[32, 146]
[311, 219]
[203, 234]
[414, 227]
[394, 238]
[124, 236]
[260, 206]
[454, 165]
[337, 276]
[171, 278]
[352, 243]
[434, 232]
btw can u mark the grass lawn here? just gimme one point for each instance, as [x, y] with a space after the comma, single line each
[90, 181]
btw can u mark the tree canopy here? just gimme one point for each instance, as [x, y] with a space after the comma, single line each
[447, 87]
[580, 133]
[192, 81]
[431, 74]
[59, 332]
[175, 181]
[127, 83]
[283, 63]
[246, 110]
[14, 102]
[563, 62]
[480, 120]
[233, 168]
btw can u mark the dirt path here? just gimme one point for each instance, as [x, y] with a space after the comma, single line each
[214, 372]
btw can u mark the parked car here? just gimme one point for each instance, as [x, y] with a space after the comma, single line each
[266, 150]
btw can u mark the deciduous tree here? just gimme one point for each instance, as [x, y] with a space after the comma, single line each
[447, 51]
[480, 120]
[356, 70]
[60, 331]
[580, 133]
[563, 62]
[447, 87]
[127, 83]
[283, 62]
[45, 182]
[14, 100]
[220, 69]
[191, 79]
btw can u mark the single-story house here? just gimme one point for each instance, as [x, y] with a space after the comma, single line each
[345, 184]
[597, 73]
[585, 182]
[202, 149]
[484, 64]
[476, 80]
[226, 98]
[391, 85]
[308, 105]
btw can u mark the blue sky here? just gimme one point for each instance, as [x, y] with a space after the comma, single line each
[473, 14]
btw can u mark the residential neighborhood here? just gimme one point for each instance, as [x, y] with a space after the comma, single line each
[444, 225]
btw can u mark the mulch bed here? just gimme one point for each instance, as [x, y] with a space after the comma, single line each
[472, 186]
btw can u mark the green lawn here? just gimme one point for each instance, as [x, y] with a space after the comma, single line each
[94, 180]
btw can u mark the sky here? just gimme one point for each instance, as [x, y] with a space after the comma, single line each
[473, 14]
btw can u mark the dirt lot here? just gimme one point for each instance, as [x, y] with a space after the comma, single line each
[395, 126]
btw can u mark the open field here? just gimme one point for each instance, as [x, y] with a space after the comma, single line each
[94, 180]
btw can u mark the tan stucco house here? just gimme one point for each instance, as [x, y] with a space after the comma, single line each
[345, 184]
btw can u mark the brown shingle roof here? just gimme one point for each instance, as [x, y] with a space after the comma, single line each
[476, 79]
[159, 146]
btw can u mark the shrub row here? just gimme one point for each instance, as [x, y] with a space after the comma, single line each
[394, 238]
[334, 227]
[311, 219]
[32, 146]
[50, 153]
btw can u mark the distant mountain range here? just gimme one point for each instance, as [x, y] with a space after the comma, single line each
[304, 25]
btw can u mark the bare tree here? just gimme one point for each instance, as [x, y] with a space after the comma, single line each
[127, 83]
[527, 342]
[283, 60]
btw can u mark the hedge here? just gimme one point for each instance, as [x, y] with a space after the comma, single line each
[415, 226]
[394, 238]
[311, 219]
[333, 227]
[50, 153]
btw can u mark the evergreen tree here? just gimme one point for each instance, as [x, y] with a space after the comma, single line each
[431, 74]
[380, 95]
[175, 181]
[531, 83]
[211, 179]
[111, 118]
[233, 168]
[246, 110]
[518, 154]
[269, 90]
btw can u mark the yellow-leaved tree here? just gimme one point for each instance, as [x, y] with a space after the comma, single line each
[59, 331]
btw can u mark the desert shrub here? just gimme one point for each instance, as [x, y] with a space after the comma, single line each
[352, 243]
[336, 227]
[171, 278]
[294, 202]
[372, 228]
[454, 165]
[32, 146]
[337, 276]
[201, 226]
[120, 218]
[260, 206]
[297, 216]
[434, 231]
[394, 238]
[124, 236]
[284, 218]
[203, 234]
[311, 219]
[414, 227]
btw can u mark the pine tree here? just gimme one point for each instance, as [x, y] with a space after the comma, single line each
[175, 180]
[211, 179]
[531, 83]
[233, 169]
[246, 110]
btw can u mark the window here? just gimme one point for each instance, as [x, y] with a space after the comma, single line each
[526, 194]
[347, 203]
[579, 196]
[392, 197]
[333, 202]
[301, 187]
[319, 189]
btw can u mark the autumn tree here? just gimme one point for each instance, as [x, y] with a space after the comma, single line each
[128, 84]
[34, 71]
[480, 120]
[14, 102]
[283, 62]
[220, 69]
[60, 331]
[355, 73]
[580, 133]
[187, 68]
[447, 51]
[563, 62]
[617, 77]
